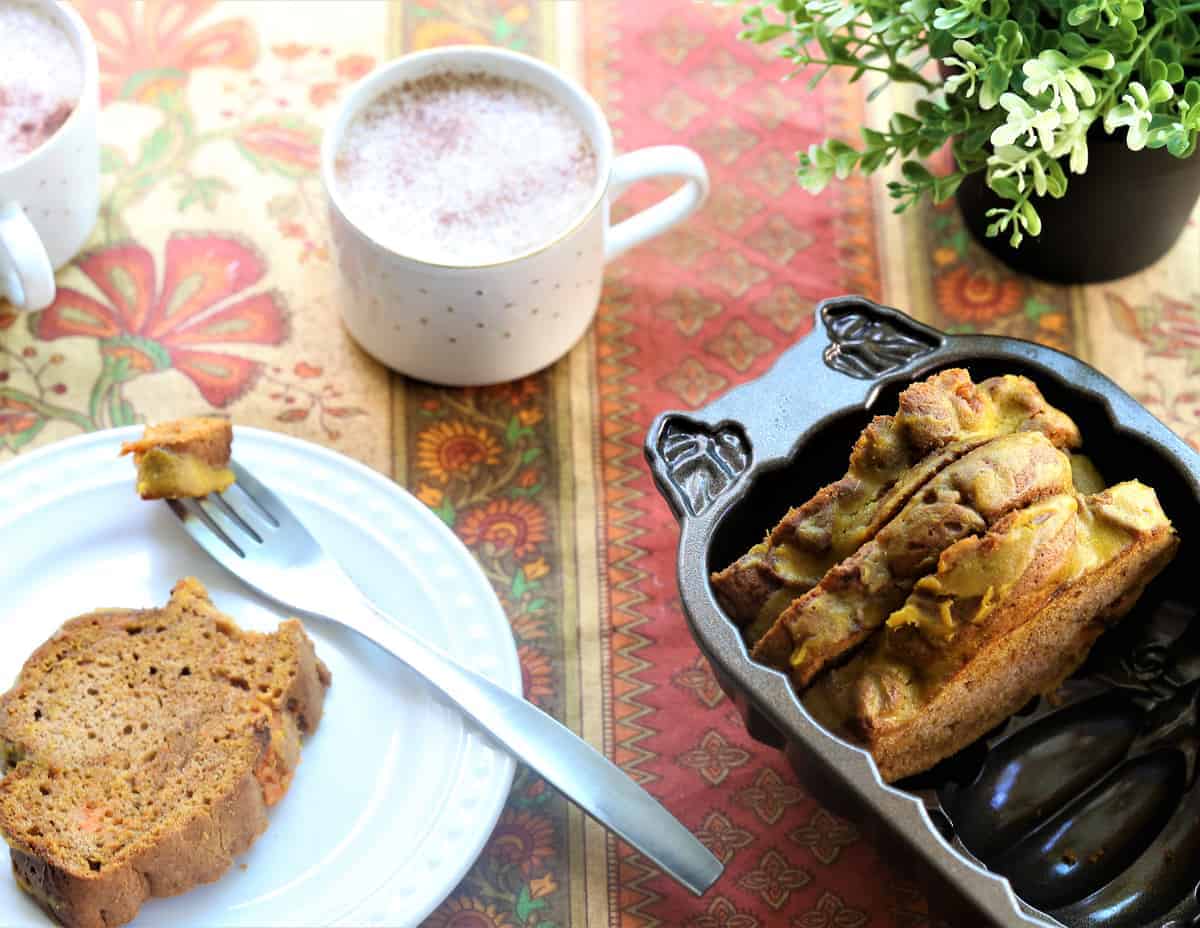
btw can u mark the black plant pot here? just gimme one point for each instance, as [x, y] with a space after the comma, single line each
[1119, 217]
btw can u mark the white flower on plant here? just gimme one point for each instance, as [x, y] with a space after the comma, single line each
[1135, 113]
[1037, 126]
[1073, 141]
[1051, 70]
[1017, 162]
[955, 81]
[970, 62]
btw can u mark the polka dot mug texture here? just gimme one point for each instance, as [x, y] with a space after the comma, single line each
[49, 199]
[468, 325]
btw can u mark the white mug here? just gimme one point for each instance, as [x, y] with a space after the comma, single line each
[472, 324]
[49, 199]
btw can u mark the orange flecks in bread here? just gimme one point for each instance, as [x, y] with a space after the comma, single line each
[90, 819]
[275, 781]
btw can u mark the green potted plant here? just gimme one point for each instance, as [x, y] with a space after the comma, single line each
[1071, 123]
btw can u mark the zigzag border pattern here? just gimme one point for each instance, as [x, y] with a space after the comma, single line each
[620, 448]
[618, 443]
[621, 442]
[638, 895]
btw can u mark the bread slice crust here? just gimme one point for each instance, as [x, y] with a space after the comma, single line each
[208, 438]
[939, 420]
[139, 776]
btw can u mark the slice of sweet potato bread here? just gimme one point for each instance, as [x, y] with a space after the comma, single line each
[143, 748]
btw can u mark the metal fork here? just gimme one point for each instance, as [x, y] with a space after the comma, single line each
[265, 546]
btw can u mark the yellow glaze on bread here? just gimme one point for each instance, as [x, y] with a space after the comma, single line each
[1087, 478]
[1003, 407]
[183, 458]
[966, 588]
[857, 595]
[1111, 518]
[964, 564]
[163, 474]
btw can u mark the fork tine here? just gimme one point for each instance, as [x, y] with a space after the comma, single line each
[203, 530]
[240, 502]
[218, 525]
[234, 516]
[209, 508]
[285, 563]
[259, 495]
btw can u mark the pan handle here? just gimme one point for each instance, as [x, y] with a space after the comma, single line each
[698, 457]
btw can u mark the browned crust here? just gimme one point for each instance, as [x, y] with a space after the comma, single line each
[1006, 672]
[938, 410]
[999, 477]
[928, 433]
[197, 853]
[204, 844]
[208, 439]
[744, 586]
[305, 700]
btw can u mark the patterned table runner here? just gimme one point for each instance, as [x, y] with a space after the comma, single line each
[208, 286]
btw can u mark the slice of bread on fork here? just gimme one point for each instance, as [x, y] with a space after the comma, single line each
[183, 458]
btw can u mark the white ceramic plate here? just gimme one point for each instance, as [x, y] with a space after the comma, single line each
[396, 795]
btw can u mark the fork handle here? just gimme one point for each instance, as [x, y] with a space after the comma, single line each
[580, 772]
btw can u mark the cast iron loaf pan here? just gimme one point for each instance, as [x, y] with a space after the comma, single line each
[1084, 812]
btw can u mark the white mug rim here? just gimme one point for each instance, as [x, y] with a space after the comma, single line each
[65, 16]
[383, 76]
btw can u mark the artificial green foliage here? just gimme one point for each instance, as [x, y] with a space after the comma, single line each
[1024, 82]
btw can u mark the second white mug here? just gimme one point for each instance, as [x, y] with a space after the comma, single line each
[466, 325]
[49, 199]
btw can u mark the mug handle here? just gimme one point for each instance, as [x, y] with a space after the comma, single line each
[26, 276]
[643, 164]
